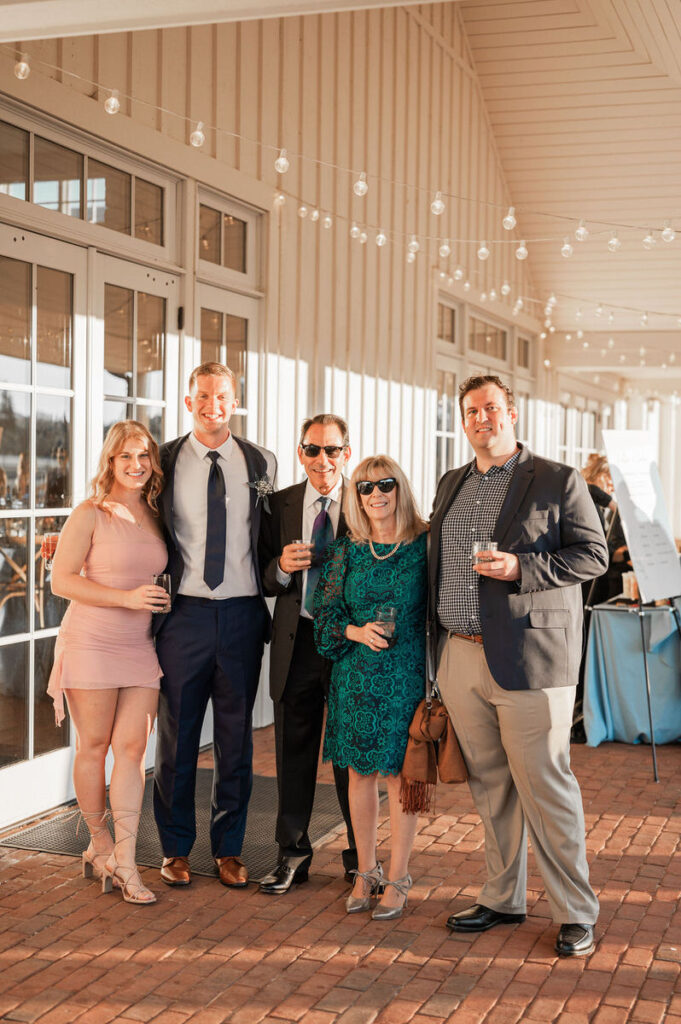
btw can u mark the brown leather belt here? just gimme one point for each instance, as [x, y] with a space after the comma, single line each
[475, 638]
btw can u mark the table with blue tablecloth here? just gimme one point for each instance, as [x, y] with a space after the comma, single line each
[615, 705]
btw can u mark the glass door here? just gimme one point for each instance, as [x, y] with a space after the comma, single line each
[43, 433]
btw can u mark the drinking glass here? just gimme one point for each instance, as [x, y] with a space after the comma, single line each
[481, 549]
[386, 617]
[48, 546]
[162, 579]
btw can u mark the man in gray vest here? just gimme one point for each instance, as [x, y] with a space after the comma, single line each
[508, 630]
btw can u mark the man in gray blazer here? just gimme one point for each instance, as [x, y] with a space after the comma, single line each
[508, 634]
[309, 512]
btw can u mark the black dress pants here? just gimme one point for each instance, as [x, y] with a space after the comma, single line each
[298, 724]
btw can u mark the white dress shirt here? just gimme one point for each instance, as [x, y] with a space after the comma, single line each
[310, 512]
[189, 519]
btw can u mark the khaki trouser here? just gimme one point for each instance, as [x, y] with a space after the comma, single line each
[517, 747]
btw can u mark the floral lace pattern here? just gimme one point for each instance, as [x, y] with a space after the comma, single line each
[373, 693]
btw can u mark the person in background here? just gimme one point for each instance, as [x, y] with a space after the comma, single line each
[105, 662]
[369, 619]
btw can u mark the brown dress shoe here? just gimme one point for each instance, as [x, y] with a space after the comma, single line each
[176, 871]
[232, 872]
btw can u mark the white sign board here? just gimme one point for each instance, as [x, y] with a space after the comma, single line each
[643, 513]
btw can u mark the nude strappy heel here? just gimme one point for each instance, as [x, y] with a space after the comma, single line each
[96, 822]
[131, 885]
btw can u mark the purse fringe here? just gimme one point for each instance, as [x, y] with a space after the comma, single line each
[416, 797]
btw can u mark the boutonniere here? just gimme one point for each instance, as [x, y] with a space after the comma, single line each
[263, 487]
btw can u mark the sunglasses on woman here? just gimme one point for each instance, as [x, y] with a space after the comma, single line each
[385, 486]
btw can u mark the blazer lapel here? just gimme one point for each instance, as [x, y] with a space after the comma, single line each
[521, 480]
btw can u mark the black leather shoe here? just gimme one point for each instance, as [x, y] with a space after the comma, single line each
[575, 940]
[288, 872]
[478, 919]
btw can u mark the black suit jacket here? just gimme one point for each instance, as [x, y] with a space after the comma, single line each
[281, 526]
[532, 628]
[259, 461]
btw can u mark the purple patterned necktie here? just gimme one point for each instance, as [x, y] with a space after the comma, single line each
[322, 535]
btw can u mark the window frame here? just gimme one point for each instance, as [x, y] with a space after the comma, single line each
[224, 277]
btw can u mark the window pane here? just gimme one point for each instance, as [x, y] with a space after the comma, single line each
[118, 334]
[108, 197]
[209, 234]
[151, 315]
[445, 318]
[211, 336]
[53, 445]
[57, 177]
[13, 703]
[55, 320]
[13, 161]
[45, 736]
[15, 453]
[114, 412]
[13, 577]
[234, 248]
[152, 418]
[236, 336]
[49, 610]
[15, 322]
[148, 212]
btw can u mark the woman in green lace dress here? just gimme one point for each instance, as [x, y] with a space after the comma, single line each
[377, 679]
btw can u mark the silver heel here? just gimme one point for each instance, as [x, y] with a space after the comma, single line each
[403, 885]
[373, 879]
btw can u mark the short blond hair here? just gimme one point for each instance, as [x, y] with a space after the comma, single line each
[409, 520]
[117, 435]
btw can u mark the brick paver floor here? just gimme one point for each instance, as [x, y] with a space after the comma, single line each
[208, 954]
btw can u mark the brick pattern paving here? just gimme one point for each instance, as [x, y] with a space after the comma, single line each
[208, 954]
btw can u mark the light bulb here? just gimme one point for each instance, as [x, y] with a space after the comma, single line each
[580, 333]
[302, 211]
[623, 358]
[22, 68]
[505, 288]
[566, 249]
[411, 256]
[327, 222]
[493, 295]
[112, 104]
[578, 315]
[668, 233]
[611, 317]
[443, 274]
[585, 344]
[483, 296]
[581, 232]
[521, 251]
[649, 242]
[611, 342]
[519, 303]
[547, 363]
[672, 357]
[509, 220]
[568, 337]
[466, 286]
[197, 138]
[483, 251]
[413, 246]
[281, 164]
[314, 215]
[604, 352]
[360, 188]
[381, 239]
[458, 274]
[614, 245]
[450, 281]
[599, 310]
[354, 231]
[552, 300]
[543, 335]
[437, 206]
[644, 319]
[547, 322]
[548, 310]
[363, 237]
[279, 199]
[445, 249]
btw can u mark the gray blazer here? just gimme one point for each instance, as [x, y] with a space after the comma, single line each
[283, 525]
[531, 628]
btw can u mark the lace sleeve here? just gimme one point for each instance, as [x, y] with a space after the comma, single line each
[331, 614]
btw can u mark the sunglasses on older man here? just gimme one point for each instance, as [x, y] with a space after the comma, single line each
[385, 486]
[332, 451]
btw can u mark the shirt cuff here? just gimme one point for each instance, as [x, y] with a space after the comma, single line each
[283, 578]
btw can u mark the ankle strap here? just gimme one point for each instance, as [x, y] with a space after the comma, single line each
[403, 885]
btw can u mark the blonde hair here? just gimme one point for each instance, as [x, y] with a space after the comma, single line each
[596, 469]
[409, 521]
[117, 435]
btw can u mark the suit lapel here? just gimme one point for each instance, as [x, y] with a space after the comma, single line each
[520, 481]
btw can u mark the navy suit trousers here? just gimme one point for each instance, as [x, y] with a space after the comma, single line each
[208, 650]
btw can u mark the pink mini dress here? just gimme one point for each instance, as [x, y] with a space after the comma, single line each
[109, 648]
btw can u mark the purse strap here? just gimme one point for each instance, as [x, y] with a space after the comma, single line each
[432, 689]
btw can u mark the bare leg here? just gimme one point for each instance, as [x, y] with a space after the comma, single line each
[403, 830]
[92, 713]
[363, 798]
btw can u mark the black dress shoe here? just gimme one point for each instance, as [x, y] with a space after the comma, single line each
[288, 872]
[478, 919]
[575, 940]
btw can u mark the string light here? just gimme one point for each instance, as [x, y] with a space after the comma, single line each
[413, 246]
[611, 342]
[521, 252]
[354, 230]
[668, 233]
[314, 216]
[281, 164]
[566, 249]
[578, 315]
[411, 257]
[197, 137]
[437, 206]
[493, 295]
[599, 310]
[644, 319]
[458, 274]
[568, 337]
[611, 317]
[483, 296]
[363, 237]
[22, 68]
[649, 242]
[279, 199]
[327, 222]
[112, 104]
[445, 249]
[581, 232]
[505, 288]
[509, 221]
[302, 212]
[466, 286]
[483, 251]
[360, 188]
[381, 239]
[580, 334]
[614, 244]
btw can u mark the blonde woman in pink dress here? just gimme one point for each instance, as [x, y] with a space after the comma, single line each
[105, 661]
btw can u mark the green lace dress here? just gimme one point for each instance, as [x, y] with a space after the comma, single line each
[373, 694]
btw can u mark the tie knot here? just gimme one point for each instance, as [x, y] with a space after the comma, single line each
[213, 456]
[324, 503]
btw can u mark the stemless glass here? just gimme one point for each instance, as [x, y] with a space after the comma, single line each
[162, 579]
[481, 549]
[386, 617]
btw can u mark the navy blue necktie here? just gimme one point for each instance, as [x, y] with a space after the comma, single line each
[216, 525]
[322, 535]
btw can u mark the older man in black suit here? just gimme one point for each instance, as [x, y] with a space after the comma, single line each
[309, 513]
[510, 639]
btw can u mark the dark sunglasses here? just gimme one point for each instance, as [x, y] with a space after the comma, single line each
[332, 451]
[385, 486]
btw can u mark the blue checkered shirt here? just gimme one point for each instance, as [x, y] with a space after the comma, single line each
[472, 516]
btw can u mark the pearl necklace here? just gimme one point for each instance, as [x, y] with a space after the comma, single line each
[382, 558]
